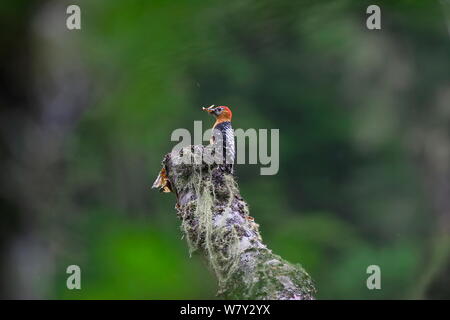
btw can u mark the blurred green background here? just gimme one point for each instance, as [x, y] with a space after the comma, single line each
[86, 117]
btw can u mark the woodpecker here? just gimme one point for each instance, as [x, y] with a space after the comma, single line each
[223, 134]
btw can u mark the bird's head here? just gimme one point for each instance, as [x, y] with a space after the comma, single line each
[222, 113]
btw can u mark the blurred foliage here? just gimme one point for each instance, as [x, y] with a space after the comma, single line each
[348, 194]
[131, 261]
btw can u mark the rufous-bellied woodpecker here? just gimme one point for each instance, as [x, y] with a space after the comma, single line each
[222, 136]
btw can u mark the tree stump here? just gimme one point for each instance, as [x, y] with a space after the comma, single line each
[215, 221]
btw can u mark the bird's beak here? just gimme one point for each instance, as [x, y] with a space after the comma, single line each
[210, 109]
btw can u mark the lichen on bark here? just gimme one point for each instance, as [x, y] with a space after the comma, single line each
[216, 223]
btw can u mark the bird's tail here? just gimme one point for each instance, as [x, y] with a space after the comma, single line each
[162, 182]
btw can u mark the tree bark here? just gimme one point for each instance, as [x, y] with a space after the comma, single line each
[216, 223]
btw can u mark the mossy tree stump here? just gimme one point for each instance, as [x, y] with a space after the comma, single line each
[216, 223]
